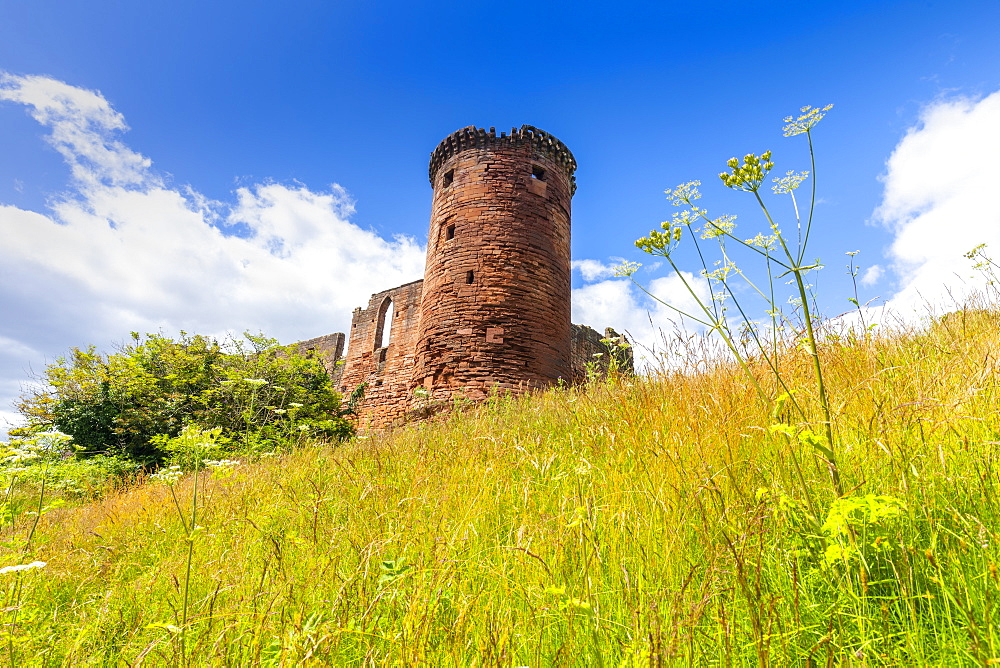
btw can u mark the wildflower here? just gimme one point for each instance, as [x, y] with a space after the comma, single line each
[789, 182]
[20, 455]
[718, 227]
[684, 217]
[626, 269]
[804, 123]
[750, 175]
[766, 242]
[258, 382]
[295, 405]
[684, 193]
[661, 243]
[720, 274]
[219, 463]
[167, 476]
[23, 567]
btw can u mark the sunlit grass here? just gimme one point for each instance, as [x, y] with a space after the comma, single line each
[645, 521]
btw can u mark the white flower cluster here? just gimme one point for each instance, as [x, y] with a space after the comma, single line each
[23, 567]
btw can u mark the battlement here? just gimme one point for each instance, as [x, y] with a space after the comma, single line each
[473, 137]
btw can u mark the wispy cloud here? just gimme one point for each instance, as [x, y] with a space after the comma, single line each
[123, 250]
[871, 275]
[595, 270]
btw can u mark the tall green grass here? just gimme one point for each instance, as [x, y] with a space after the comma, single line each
[631, 522]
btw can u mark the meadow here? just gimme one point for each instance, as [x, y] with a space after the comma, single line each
[671, 519]
[786, 491]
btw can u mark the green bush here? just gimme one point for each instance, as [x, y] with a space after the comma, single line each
[258, 393]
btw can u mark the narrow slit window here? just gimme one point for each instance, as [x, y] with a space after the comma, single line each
[470, 276]
[449, 178]
[449, 232]
[537, 173]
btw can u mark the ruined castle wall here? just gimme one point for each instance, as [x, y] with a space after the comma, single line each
[593, 352]
[380, 352]
[493, 310]
[328, 350]
[496, 296]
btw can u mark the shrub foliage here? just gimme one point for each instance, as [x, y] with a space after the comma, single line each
[257, 392]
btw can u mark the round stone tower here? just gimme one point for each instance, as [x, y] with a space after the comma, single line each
[495, 309]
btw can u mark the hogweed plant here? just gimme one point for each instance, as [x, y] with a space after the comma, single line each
[22, 460]
[191, 451]
[783, 253]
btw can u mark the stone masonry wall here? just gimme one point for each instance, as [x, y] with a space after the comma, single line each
[386, 368]
[328, 350]
[496, 296]
[594, 351]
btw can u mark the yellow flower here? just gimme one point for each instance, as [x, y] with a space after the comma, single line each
[810, 116]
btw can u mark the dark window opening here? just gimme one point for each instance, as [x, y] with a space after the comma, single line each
[450, 232]
[537, 173]
[449, 178]
[470, 276]
[383, 324]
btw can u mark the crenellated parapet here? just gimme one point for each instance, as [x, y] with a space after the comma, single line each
[473, 137]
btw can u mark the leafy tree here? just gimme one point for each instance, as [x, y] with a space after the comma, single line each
[256, 392]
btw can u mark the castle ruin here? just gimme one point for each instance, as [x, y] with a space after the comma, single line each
[492, 312]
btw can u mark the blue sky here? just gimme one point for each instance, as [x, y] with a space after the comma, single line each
[259, 165]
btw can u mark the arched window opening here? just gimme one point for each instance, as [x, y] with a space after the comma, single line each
[449, 178]
[470, 277]
[383, 324]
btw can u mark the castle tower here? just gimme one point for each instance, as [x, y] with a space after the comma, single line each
[495, 309]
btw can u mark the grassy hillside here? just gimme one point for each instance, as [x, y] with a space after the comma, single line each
[634, 522]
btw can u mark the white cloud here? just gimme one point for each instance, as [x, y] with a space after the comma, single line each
[11, 390]
[124, 251]
[871, 275]
[594, 270]
[82, 125]
[620, 304]
[12, 347]
[8, 420]
[940, 201]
